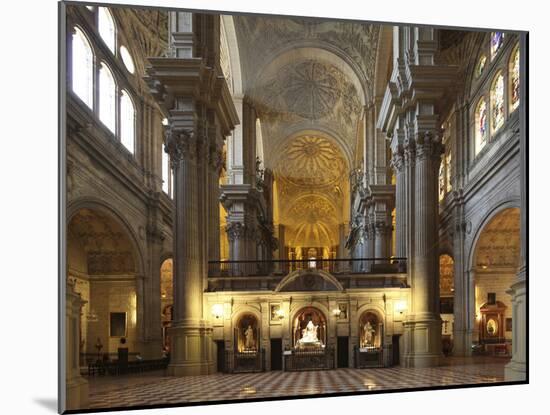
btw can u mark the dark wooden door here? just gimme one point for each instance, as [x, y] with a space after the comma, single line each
[276, 354]
[395, 349]
[220, 354]
[343, 352]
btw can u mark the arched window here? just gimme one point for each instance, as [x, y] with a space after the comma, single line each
[127, 59]
[107, 97]
[82, 68]
[448, 160]
[497, 103]
[106, 27]
[480, 65]
[481, 125]
[514, 80]
[497, 39]
[127, 121]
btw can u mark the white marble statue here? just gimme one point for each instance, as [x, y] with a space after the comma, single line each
[368, 334]
[249, 342]
[309, 334]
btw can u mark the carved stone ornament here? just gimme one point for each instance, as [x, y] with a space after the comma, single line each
[235, 230]
[180, 144]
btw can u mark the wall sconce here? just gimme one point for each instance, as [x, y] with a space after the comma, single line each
[217, 311]
[165, 121]
[400, 306]
[280, 314]
[336, 312]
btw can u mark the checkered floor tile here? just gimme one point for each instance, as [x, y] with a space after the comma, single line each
[157, 389]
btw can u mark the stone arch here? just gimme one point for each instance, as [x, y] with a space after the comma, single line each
[234, 55]
[489, 216]
[319, 51]
[294, 275]
[304, 129]
[100, 206]
[241, 309]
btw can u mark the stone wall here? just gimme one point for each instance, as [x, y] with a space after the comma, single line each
[107, 297]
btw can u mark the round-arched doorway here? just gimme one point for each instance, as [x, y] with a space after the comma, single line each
[495, 262]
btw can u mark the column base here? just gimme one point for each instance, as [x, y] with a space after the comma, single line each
[462, 343]
[151, 349]
[515, 372]
[77, 394]
[191, 349]
[422, 340]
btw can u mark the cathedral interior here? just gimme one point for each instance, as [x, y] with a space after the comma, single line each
[273, 195]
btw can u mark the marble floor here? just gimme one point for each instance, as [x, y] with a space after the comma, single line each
[156, 389]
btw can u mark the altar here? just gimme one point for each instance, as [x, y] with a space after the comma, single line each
[310, 351]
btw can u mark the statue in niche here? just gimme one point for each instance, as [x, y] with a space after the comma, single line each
[249, 342]
[368, 334]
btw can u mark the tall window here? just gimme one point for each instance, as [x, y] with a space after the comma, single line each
[497, 103]
[514, 80]
[448, 160]
[106, 27]
[127, 121]
[107, 97]
[481, 125]
[442, 180]
[497, 39]
[127, 59]
[167, 175]
[82, 68]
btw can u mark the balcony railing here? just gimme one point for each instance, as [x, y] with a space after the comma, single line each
[282, 267]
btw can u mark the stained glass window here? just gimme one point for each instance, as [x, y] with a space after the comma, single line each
[481, 125]
[514, 80]
[82, 68]
[497, 39]
[497, 103]
[107, 97]
[127, 121]
[106, 27]
[480, 65]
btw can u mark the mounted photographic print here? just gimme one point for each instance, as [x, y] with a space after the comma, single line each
[249, 198]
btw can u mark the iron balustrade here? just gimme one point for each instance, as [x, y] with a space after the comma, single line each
[253, 268]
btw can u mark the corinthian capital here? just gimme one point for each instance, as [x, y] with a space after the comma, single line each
[397, 159]
[429, 145]
[235, 230]
[180, 144]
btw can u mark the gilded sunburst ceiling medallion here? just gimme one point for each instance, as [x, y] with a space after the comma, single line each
[311, 161]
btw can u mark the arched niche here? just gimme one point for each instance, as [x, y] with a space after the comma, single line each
[309, 329]
[371, 330]
[166, 300]
[494, 262]
[247, 333]
[103, 261]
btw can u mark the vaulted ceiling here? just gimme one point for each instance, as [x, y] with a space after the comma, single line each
[309, 80]
[499, 243]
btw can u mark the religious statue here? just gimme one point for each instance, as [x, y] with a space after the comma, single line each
[368, 334]
[249, 342]
[309, 334]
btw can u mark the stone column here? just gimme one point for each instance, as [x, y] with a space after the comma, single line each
[400, 204]
[189, 332]
[214, 170]
[76, 385]
[423, 324]
[516, 370]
